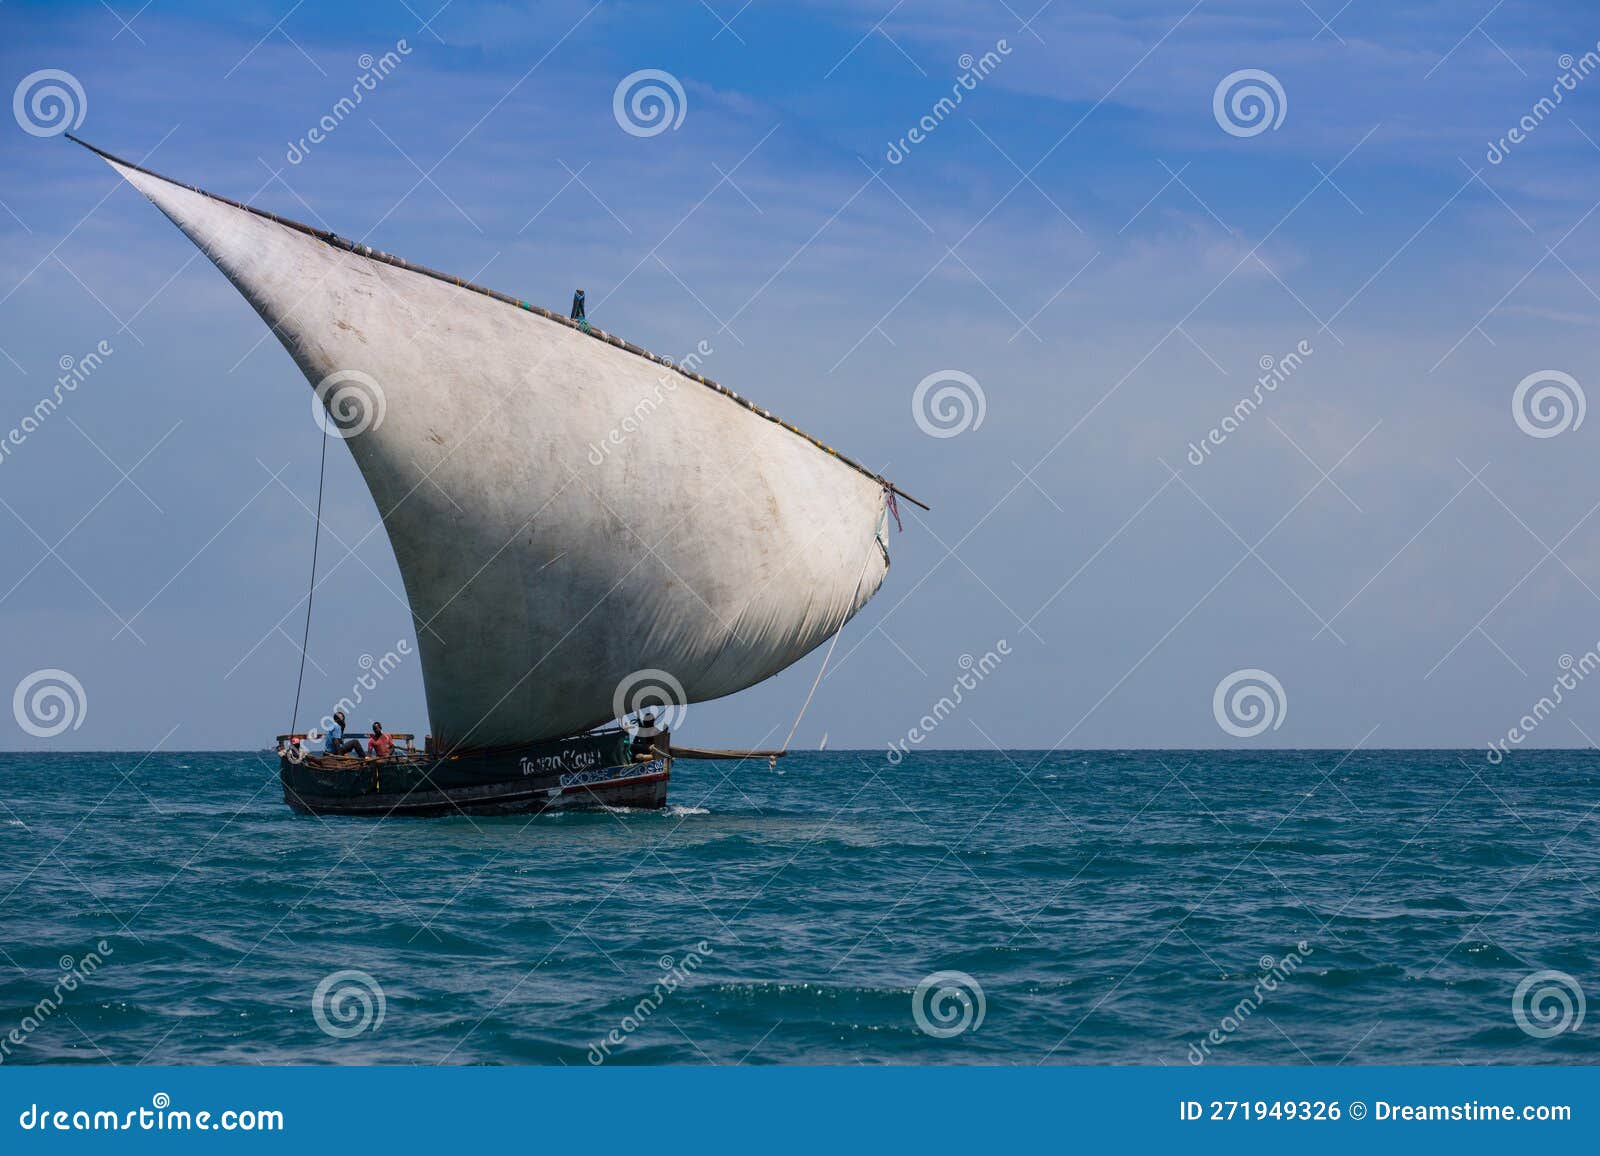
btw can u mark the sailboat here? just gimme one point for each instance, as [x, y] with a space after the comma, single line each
[573, 518]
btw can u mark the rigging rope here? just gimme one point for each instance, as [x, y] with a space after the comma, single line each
[823, 669]
[815, 683]
[311, 592]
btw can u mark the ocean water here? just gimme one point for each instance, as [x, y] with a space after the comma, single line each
[1099, 907]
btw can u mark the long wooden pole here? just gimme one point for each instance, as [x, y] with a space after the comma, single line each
[699, 753]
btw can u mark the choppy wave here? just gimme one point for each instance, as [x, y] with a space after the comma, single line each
[1099, 913]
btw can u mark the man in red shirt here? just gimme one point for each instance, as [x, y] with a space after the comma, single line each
[380, 745]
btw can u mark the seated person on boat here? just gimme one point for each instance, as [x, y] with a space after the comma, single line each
[336, 744]
[379, 744]
[646, 735]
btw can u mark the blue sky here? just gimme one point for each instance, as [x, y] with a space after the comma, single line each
[1081, 236]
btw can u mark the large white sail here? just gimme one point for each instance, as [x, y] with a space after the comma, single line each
[565, 512]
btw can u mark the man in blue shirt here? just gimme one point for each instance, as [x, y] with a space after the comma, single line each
[335, 743]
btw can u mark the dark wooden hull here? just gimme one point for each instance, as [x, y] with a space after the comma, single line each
[589, 772]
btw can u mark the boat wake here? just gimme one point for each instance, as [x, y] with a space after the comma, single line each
[674, 810]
